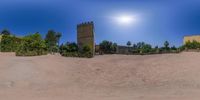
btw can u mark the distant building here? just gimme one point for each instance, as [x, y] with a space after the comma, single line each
[191, 38]
[85, 35]
[123, 50]
[97, 48]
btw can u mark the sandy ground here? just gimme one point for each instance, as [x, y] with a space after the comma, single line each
[108, 77]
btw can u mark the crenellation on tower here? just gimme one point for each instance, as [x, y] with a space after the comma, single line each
[85, 24]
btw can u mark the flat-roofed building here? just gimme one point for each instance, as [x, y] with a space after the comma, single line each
[191, 38]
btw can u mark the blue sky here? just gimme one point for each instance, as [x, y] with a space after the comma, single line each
[157, 20]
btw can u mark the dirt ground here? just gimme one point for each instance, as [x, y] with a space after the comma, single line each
[107, 77]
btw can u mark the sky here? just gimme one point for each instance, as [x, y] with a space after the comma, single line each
[150, 21]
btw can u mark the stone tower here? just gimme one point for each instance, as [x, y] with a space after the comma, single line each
[85, 35]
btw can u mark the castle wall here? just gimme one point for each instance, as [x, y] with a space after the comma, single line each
[191, 38]
[85, 35]
[122, 50]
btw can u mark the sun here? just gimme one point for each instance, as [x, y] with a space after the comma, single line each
[125, 19]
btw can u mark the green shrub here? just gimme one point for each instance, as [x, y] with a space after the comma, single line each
[107, 47]
[192, 45]
[68, 48]
[86, 52]
[181, 48]
[70, 54]
[52, 39]
[146, 48]
[9, 43]
[85, 55]
[32, 45]
[72, 50]
[142, 48]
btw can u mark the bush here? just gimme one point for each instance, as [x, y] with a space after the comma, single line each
[86, 52]
[9, 43]
[72, 50]
[181, 48]
[32, 45]
[108, 47]
[192, 45]
[146, 48]
[70, 54]
[68, 49]
[142, 48]
[85, 55]
[55, 49]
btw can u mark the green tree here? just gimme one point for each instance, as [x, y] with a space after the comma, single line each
[62, 48]
[128, 43]
[86, 48]
[5, 32]
[142, 47]
[86, 51]
[69, 47]
[51, 40]
[9, 43]
[134, 46]
[58, 36]
[32, 45]
[72, 47]
[107, 47]
[192, 45]
[146, 48]
[114, 47]
[166, 45]
[156, 47]
[135, 49]
[173, 48]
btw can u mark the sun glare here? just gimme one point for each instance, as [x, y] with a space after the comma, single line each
[125, 19]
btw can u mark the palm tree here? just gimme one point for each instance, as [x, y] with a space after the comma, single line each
[58, 36]
[128, 43]
[166, 44]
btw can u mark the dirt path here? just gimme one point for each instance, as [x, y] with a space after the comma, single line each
[108, 77]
